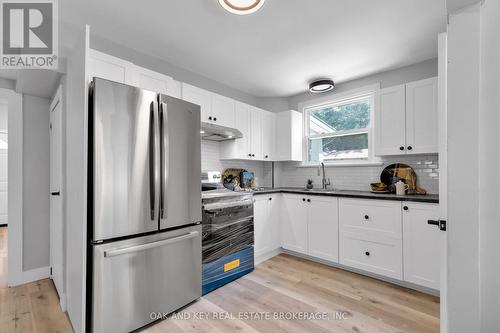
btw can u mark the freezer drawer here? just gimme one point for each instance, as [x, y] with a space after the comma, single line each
[134, 278]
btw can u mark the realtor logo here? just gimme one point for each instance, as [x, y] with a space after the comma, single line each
[29, 34]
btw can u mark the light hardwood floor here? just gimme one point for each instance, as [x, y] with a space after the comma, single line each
[288, 284]
[281, 285]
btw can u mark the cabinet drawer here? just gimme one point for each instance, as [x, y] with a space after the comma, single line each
[374, 217]
[384, 258]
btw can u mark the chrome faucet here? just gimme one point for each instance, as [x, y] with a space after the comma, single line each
[325, 182]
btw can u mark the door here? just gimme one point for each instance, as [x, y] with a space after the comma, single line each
[294, 213]
[268, 133]
[443, 170]
[180, 199]
[422, 259]
[125, 159]
[256, 133]
[200, 97]
[134, 278]
[323, 228]
[422, 117]
[56, 192]
[390, 121]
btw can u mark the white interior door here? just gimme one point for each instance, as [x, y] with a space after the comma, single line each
[4, 149]
[56, 219]
[443, 169]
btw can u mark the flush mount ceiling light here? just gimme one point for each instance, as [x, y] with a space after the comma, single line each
[241, 7]
[321, 86]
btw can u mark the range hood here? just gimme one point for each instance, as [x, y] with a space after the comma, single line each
[213, 132]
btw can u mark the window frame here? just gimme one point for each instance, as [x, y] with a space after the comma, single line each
[332, 101]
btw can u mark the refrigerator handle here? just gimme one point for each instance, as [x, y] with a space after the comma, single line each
[164, 147]
[153, 172]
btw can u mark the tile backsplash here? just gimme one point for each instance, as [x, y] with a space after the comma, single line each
[287, 174]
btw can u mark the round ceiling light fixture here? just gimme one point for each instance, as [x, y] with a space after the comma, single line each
[321, 86]
[241, 7]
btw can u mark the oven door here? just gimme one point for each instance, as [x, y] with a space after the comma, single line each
[135, 280]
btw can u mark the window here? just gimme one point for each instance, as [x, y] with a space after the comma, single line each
[339, 131]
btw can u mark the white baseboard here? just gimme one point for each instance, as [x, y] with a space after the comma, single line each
[265, 256]
[62, 302]
[30, 276]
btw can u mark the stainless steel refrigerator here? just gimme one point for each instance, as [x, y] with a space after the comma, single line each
[144, 206]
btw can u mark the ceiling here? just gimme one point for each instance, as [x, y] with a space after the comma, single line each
[274, 52]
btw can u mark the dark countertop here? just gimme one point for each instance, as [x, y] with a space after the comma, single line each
[430, 198]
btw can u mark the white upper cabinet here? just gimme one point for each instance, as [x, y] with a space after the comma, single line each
[421, 244]
[422, 116]
[406, 119]
[150, 80]
[201, 97]
[289, 136]
[268, 136]
[256, 133]
[222, 110]
[238, 149]
[110, 68]
[390, 121]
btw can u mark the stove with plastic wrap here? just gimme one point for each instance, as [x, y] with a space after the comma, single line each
[228, 233]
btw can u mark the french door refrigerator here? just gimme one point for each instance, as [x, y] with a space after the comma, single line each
[144, 206]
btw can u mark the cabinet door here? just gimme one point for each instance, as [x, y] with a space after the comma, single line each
[238, 149]
[390, 132]
[261, 224]
[268, 133]
[323, 228]
[109, 68]
[256, 133]
[198, 96]
[421, 245]
[151, 80]
[274, 222]
[422, 117]
[294, 223]
[223, 110]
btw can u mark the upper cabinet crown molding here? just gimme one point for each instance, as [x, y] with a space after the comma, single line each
[406, 119]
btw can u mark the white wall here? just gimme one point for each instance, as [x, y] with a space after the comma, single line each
[415, 72]
[36, 163]
[489, 159]
[4, 152]
[463, 172]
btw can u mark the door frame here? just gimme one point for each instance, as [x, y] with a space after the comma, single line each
[57, 99]
[15, 273]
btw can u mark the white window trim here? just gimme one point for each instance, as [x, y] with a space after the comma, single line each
[334, 99]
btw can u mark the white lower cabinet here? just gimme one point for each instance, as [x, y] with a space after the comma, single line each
[310, 225]
[294, 223]
[266, 224]
[323, 228]
[370, 236]
[422, 244]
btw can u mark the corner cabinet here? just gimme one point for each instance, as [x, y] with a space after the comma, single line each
[310, 225]
[289, 136]
[422, 244]
[406, 119]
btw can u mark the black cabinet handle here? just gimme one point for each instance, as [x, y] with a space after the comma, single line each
[55, 193]
[267, 156]
[303, 199]
[215, 119]
[270, 199]
[249, 155]
[410, 148]
[209, 118]
[402, 148]
[405, 208]
[308, 200]
[367, 217]
[367, 253]
[253, 155]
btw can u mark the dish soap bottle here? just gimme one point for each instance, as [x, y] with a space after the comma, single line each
[309, 184]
